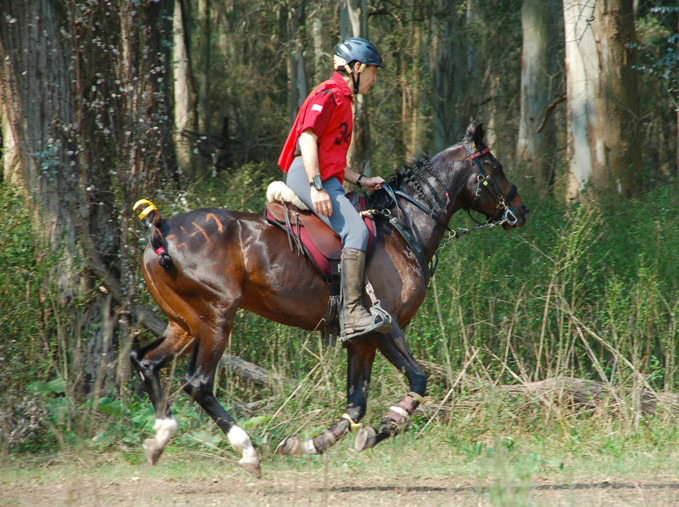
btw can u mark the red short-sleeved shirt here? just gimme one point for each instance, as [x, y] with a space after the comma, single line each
[327, 112]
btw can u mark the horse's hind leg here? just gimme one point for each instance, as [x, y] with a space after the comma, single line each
[395, 349]
[359, 367]
[148, 361]
[200, 377]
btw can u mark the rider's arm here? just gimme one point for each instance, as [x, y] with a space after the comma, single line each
[309, 149]
[351, 176]
[370, 183]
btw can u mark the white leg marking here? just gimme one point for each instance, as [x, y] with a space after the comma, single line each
[308, 447]
[240, 441]
[164, 428]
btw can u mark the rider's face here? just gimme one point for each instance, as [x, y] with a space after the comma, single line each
[368, 78]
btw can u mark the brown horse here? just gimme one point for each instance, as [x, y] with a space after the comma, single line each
[204, 265]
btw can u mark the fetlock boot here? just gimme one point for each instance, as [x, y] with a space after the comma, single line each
[356, 320]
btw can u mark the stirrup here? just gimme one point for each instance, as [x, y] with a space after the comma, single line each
[382, 323]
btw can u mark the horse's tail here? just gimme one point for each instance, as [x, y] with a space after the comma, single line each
[150, 217]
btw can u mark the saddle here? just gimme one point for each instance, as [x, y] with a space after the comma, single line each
[308, 235]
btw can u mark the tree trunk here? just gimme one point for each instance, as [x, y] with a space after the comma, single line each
[83, 93]
[10, 151]
[603, 101]
[538, 65]
[411, 104]
[354, 23]
[296, 69]
[36, 92]
[321, 64]
[184, 92]
[449, 71]
[205, 48]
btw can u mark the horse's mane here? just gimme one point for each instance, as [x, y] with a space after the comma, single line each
[410, 174]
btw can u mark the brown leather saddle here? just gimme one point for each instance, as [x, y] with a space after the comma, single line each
[308, 235]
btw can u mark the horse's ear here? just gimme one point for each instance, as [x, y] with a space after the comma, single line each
[475, 133]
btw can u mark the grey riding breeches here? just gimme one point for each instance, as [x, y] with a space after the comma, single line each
[344, 220]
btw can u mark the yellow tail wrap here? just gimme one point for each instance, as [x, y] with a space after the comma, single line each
[149, 207]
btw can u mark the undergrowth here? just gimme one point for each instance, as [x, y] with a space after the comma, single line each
[582, 291]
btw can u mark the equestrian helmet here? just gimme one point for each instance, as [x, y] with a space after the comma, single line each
[356, 49]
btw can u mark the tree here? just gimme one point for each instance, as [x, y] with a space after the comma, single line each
[602, 96]
[184, 89]
[449, 71]
[83, 91]
[204, 51]
[410, 64]
[296, 68]
[538, 65]
[354, 23]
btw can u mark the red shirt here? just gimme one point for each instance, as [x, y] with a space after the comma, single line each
[327, 112]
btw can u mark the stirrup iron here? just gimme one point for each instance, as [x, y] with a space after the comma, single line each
[382, 321]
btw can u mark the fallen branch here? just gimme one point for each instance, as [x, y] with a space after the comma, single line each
[578, 393]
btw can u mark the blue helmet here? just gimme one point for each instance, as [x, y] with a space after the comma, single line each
[356, 49]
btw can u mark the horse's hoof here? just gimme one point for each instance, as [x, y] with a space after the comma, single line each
[290, 446]
[152, 450]
[365, 438]
[251, 465]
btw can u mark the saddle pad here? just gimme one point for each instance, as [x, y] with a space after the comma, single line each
[321, 244]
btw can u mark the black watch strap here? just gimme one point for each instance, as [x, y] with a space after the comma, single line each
[358, 180]
[317, 183]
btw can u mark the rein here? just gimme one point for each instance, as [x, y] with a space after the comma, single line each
[406, 229]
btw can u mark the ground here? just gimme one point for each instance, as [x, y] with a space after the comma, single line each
[302, 490]
[401, 473]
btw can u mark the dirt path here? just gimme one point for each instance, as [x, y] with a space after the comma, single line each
[299, 489]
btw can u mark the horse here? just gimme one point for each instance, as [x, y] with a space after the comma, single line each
[203, 265]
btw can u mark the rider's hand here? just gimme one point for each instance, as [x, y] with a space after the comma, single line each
[321, 201]
[372, 183]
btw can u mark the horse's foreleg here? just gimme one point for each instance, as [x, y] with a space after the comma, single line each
[148, 361]
[395, 349]
[199, 384]
[359, 367]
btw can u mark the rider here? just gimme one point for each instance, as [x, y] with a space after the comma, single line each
[315, 158]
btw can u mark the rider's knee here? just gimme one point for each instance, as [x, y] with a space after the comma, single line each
[358, 237]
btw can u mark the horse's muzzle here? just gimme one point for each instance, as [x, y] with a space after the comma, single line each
[515, 218]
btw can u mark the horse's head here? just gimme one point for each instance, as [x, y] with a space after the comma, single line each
[488, 190]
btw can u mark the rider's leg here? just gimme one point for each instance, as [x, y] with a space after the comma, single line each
[344, 220]
[356, 319]
[348, 224]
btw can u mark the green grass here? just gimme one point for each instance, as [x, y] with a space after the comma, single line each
[583, 452]
[583, 290]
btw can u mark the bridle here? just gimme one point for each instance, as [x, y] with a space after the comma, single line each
[504, 215]
[485, 181]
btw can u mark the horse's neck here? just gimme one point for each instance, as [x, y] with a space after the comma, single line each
[430, 230]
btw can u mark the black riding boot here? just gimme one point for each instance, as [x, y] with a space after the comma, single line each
[356, 321]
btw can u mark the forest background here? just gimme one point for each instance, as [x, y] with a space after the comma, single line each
[188, 102]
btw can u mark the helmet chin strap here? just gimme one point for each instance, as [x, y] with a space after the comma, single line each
[356, 80]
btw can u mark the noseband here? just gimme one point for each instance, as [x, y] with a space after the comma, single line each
[484, 179]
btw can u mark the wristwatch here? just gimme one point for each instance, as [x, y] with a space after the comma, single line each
[358, 180]
[316, 183]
